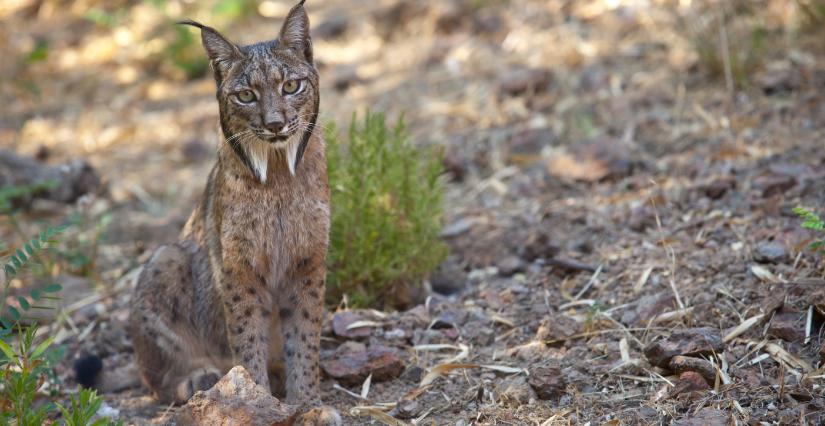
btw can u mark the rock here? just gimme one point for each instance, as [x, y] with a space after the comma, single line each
[706, 417]
[516, 391]
[557, 328]
[73, 179]
[493, 299]
[770, 252]
[526, 146]
[689, 381]
[413, 374]
[407, 409]
[540, 245]
[680, 364]
[487, 23]
[774, 183]
[778, 80]
[478, 315]
[641, 218]
[548, 381]
[693, 342]
[786, 327]
[592, 160]
[719, 188]
[523, 80]
[649, 307]
[349, 347]
[331, 28]
[450, 319]
[342, 320]
[578, 379]
[486, 336]
[353, 368]
[510, 265]
[235, 400]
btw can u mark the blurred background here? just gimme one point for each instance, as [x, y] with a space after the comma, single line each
[560, 124]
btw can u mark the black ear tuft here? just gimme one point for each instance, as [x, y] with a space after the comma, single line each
[87, 370]
[219, 49]
[191, 22]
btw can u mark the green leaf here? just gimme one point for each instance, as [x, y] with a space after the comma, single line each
[21, 255]
[24, 303]
[61, 229]
[7, 349]
[35, 295]
[29, 249]
[36, 243]
[17, 263]
[43, 237]
[14, 313]
[10, 270]
[52, 288]
[6, 322]
[41, 348]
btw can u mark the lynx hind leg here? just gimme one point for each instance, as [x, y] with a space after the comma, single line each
[172, 360]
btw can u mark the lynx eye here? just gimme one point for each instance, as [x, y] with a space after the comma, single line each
[291, 87]
[246, 96]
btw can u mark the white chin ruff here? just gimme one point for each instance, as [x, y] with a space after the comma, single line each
[259, 151]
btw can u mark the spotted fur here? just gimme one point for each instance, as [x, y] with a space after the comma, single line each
[244, 285]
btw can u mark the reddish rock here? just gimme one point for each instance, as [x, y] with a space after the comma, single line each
[342, 320]
[353, 368]
[788, 327]
[719, 188]
[694, 342]
[681, 364]
[235, 400]
[689, 381]
[510, 265]
[493, 299]
[557, 328]
[548, 381]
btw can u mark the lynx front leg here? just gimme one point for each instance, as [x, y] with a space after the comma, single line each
[300, 309]
[248, 306]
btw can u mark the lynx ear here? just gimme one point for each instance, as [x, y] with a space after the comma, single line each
[219, 49]
[294, 33]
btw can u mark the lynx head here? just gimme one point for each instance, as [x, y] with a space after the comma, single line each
[267, 92]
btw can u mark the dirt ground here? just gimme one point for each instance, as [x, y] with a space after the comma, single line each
[604, 190]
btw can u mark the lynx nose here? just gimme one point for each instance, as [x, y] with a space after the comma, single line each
[275, 126]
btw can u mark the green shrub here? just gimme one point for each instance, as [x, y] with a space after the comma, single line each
[814, 222]
[26, 368]
[386, 213]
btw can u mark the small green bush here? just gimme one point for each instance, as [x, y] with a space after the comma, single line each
[386, 213]
[27, 366]
[814, 222]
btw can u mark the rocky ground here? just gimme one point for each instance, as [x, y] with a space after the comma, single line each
[623, 244]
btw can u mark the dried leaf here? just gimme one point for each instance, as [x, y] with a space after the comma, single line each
[502, 320]
[764, 275]
[376, 414]
[557, 415]
[359, 324]
[365, 388]
[741, 328]
[642, 279]
[781, 355]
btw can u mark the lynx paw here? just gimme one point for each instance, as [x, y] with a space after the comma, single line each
[200, 379]
[321, 416]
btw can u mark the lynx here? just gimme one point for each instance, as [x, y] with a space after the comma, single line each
[245, 283]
